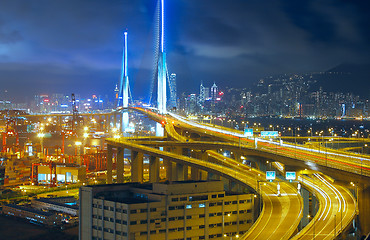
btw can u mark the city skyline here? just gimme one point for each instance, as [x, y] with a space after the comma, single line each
[74, 47]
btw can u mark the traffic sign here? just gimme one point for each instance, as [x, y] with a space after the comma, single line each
[270, 175]
[248, 132]
[290, 175]
[269, 133]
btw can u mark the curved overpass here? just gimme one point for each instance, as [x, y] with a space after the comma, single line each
[280, 216]
[329, 196]
[336, 211]
[329, 161]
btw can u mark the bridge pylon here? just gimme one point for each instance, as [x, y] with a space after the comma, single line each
[124, 87]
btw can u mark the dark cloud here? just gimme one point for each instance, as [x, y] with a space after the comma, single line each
[76, 45]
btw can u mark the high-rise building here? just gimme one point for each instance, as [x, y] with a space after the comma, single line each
[202, 94]
[172, 102]
[191, 103]
[214, 92]
[206, 93]
[116, 96]
[176, 210]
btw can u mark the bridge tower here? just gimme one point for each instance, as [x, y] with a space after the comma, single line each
[161, 70]
[124, 87]
[162, 66]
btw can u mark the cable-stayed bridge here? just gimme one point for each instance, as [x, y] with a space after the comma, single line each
[281, 214]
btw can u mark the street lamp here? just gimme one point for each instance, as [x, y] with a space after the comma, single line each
[290, 129]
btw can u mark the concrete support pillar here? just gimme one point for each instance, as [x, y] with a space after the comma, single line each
[180, 172]
[203, 175]
[114, 120]
[173, 171]
[153, 169]
[194, 174]
[109, 164]
[137, 166]
[107, 122]
[363, 199]
[120, 122]
[168, 166]
[99, 121]
[120, 165]
[314, 204]
[186, 173]
[305, 197]
[237, 156]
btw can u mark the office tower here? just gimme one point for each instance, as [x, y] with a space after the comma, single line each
[172, 102]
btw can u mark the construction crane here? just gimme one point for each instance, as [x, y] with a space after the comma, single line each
[76, 118]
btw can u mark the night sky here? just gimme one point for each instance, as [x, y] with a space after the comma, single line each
[65, 46]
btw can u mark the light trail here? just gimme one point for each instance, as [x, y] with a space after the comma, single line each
[323, 193]
[184, 120]
[335, 190]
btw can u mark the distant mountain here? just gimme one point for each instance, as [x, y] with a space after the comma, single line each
[354, 78]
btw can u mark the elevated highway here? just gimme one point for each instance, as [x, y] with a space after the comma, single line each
[330, 196]
[275, 219]
[337, 209]
[354, 166]
[280, 216]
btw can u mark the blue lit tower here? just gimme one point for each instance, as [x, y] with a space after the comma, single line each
[124, 85]
[162, 66]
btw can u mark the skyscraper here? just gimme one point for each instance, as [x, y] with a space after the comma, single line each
[202, 93]
[172, 102]
[116, 96]
[214, 92]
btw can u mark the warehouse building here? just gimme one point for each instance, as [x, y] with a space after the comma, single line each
[33, 215]
[177, 210]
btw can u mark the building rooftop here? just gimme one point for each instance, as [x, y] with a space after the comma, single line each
[131, 193]
[50, 201]
[32, 210]
[127, 197]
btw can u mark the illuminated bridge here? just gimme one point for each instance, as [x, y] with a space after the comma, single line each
[337, 206]
[338, 181]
